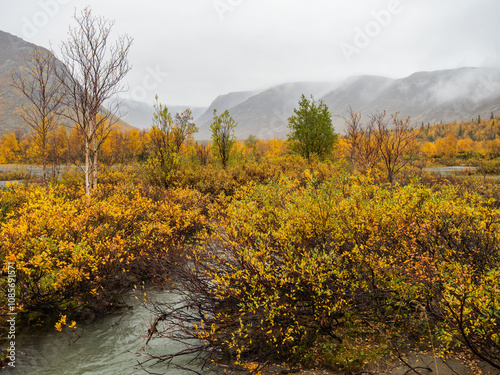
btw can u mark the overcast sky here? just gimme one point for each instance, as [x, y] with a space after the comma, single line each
[190, 51]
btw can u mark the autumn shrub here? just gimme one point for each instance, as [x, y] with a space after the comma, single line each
[129, 175]
[337, 273]
[213, 180]
[75, 255]
[488, 167]
[11, 199]
[468, 310]
[164, 172]
[15, 174]
[73, 179]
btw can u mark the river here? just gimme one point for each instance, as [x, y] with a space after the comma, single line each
[105, 347]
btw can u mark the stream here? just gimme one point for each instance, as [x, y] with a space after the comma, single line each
[105, 347]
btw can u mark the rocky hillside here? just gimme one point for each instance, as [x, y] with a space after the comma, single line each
[12, 49]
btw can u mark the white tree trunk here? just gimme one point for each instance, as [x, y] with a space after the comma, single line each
[88, 169]
[94, 177]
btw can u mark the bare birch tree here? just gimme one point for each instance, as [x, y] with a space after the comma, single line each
[38, 83]
[383, 143]
[94, 69]
[396, 140]
[364, 150]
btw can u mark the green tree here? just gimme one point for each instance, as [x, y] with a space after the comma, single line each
[311, 129]
[163, 164]
[162, 132]
[184, 128]
[223, 137]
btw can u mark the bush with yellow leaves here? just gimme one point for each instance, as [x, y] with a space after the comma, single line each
[336, 274]
[213, 180]
[75, 254]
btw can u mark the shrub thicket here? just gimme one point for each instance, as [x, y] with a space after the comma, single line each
[74, 255]
[281, 260]
[339, 273]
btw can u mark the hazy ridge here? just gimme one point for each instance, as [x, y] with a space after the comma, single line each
[428, 97]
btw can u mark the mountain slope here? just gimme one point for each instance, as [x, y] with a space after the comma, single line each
[445, 95]
[357, 92]
[221, 103]
[265, 114]
[140, 114]
[12, 49]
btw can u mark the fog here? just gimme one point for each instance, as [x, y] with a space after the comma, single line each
[189, 52]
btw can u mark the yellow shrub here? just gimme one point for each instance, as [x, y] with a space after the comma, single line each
[75, 253]
[309, 271]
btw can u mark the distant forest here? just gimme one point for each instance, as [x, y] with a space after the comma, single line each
[475, 139]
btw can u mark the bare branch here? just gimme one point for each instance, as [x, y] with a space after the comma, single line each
[37, 81]
[94, 70]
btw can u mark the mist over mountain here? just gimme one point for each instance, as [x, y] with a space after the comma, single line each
[140, 114]
[446, 95]
[428, 97]
[357, 92]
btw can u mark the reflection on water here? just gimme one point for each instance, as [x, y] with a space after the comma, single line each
[106, 346]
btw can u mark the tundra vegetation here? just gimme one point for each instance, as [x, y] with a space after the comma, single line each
[330, 262]
[343, 255]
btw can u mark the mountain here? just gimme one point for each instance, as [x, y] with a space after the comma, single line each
[12, 49]
[221, 103]
[428, 97]
[444, 95]
[140, 114]
[264, 114]
[357, 92]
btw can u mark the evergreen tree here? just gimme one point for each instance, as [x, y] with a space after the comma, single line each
[311, 129]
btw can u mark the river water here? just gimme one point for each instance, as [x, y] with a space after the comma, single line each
[106, 346]
[449, 170]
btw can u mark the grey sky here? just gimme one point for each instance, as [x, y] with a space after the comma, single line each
[190, 51]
